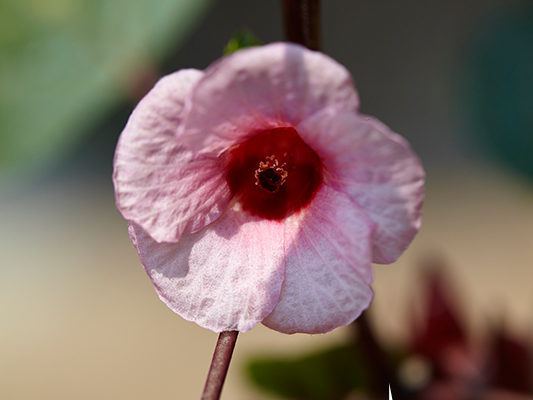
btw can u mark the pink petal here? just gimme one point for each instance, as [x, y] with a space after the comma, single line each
[328, 267]
[159, 183]
[227, 276]
[377, 168]
[264, 87]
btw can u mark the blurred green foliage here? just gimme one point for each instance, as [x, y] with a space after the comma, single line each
[497, 87]
[326, 375]
[241, 40]
[65, 62]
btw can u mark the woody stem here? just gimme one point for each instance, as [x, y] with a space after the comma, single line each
[302, 22]
[219, 365]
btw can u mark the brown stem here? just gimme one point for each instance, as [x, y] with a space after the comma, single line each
[302, 22]
[219, 365]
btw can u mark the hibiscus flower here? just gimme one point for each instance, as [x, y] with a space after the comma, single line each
[256, 192]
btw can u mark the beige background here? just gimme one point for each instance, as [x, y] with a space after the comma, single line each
[80, 319]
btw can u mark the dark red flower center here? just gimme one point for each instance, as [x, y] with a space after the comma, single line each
[274, 174]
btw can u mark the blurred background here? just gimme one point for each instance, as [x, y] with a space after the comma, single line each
[79, 317]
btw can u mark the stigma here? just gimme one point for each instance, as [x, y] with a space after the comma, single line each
[270, 175]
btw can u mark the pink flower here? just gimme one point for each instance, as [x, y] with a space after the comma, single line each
[257, 193]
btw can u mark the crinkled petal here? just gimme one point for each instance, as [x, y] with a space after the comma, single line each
[227, 276]
[263, 87]
[328, 267]
[377, 168]
[159, 183]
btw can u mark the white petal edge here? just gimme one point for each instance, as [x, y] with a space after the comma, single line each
[377, 168]
[328, 267]
[227, 276]
[161, 184]
[262, 87]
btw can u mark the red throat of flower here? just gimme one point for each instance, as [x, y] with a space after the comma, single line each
[274, 174]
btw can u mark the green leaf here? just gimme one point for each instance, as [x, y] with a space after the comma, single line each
[326, 375]
[241, 40]
[495, 85]
[63, 63]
